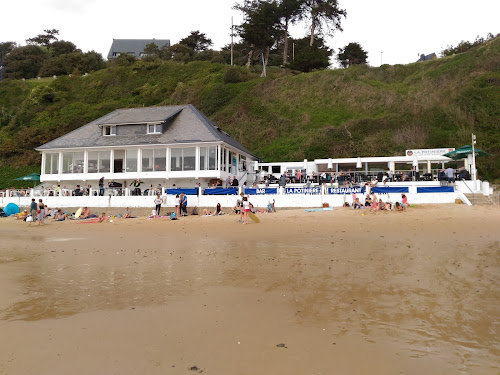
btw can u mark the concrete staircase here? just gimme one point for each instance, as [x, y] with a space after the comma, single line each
[480, 199]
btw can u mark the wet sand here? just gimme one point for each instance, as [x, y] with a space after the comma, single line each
[330, 292]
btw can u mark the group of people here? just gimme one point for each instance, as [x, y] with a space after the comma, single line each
[375, 204]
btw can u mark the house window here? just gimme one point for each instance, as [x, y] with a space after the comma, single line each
[154, 129]
[208, 157]
[72, 162]
[52, 163]
[109, 130]
[98, 161]
[131, 160]
[183, 159]
[154, 160]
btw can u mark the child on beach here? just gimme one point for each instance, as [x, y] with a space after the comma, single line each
[399, 207]
[405, 201]
[246, 210]
[102, 217]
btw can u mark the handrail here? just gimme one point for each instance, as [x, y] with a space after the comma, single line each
[473, 196]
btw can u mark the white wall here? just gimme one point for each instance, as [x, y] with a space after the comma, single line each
[292, 200]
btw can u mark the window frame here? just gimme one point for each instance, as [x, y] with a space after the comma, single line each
[111, 129]
[157, 129]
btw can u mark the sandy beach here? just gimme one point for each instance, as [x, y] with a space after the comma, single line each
[331, 292]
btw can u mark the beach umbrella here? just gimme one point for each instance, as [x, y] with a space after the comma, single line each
[31, 177]
[464, 151]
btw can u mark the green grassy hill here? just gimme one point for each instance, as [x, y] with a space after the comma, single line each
[359, 111]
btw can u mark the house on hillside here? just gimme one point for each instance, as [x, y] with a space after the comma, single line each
[158, 145]
[134, 47]
[423, 57]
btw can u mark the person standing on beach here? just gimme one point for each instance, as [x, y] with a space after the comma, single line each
[41, 212]
[158, 201]
[177, 205]
[184, 202]
[33, 209]
[246, 210]
[228, 182]
[101, 186]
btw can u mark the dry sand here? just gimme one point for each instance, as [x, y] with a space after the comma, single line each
[330, 292]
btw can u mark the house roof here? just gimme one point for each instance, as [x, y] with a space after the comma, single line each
[427, 57]
[134, 46]
[185, 124]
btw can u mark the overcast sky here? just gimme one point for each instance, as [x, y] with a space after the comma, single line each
[396, 31]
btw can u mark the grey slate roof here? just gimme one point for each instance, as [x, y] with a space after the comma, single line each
[427, 57]
[134, 46]
[184, 124]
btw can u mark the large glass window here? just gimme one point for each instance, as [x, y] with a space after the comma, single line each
[203, 158]
[189, 159]
[154, 160]
[160, 155]
[208, 157]
[131, 160]
[52, 163]
[176, 159]
[147, 160]
[98, 162]
[72, 162]
[183, 159]
[212, 158]
[223, 155]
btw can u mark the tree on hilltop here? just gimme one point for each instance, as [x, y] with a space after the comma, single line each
[260, 28]
[290, 11]
[308, 58]
[352, 54]
[197, 41]
[44, 40]
[323, 14]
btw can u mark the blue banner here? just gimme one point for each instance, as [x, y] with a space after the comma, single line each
[389, 189]
[347, 190]
[261, 191]
[185, 191]
[220, 191]
[303, 190]
[436, 189]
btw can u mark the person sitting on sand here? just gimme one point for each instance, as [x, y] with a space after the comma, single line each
[102, 217]
[126, 214]
[61, 216]
[375, 206]
[399, 207]
[206, 212]
[357, 204]
[218, 210]
[368, 201]
[85, 213]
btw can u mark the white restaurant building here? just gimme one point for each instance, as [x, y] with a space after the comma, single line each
[172, 148]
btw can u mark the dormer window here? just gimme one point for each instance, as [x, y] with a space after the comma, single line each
[154, 128]
[109, 130]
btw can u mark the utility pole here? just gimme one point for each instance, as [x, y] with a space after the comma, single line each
[232, 36]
